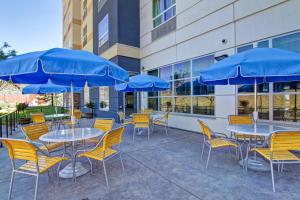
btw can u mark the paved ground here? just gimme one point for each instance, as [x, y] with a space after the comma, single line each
[166, 167]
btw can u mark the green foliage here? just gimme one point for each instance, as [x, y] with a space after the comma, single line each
[90, 105]
[6, 52]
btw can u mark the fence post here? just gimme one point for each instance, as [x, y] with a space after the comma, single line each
[14, 120]
[6, 125]
[1, 131]
[10, 123]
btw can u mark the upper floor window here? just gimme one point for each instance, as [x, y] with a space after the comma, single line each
[84, 7]
[103, 30]
[163, 10]
[84, 36]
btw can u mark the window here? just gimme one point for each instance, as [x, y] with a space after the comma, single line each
[162, 11]
[101, 4]
[186, 94]
[153, 103]
[153, 73]
[84, 36]
[103, 30]
[244, 48]
[86, 94]
[104, 98]
[289, 42]
[84, 8]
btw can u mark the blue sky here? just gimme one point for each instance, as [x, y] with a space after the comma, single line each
[31, 25]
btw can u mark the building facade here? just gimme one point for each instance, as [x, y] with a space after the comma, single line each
[179, 38]
[108, 28]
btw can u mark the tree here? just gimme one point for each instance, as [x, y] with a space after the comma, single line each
[6, 51]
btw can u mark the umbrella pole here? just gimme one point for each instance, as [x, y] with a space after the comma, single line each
[72, 103]
[255, 113]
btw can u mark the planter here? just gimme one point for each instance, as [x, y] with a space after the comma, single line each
[24, 120]
[89, 115]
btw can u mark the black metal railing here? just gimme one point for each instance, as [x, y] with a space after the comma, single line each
[8, 124]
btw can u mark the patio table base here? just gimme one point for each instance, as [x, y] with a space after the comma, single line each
[256, 164]
[67, 171]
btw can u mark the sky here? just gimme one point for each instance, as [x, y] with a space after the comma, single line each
[31, 25]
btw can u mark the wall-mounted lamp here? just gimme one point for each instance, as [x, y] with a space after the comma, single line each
[218, 58]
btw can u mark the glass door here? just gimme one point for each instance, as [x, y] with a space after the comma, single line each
[129, 103]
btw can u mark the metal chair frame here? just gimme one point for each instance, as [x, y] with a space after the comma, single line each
[164, 119]
[280, 162]
[147, 121]
[119, 152]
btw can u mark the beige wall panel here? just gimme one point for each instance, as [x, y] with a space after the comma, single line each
[276, 20]
[215, 20]
[146, 24]
[164, 57]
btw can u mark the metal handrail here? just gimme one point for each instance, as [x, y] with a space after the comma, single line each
[10, 122]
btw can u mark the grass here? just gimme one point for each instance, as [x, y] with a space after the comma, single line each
[47, 110]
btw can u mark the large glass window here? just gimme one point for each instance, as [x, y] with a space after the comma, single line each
[204, 105]
[153, 73]
[163, 10]
[103, 30]
[182, 87]
[166, 104]
[104, 98]
[290, 42]
[201, 63]
[153, 103]
[183, 104]
[244, 48]
[182, 70]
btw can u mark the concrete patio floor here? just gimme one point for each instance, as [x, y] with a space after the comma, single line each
[165, 167]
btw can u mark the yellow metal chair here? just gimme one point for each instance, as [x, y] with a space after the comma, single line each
[103, 125]
[147, 111]
[105, 149]
[77, 115]
[162, 122]
[240, 120]
[282, 145]
[213, 141]
[123, 119]
[38, 118]
[34, 164]
[141, 121]
[34, 131]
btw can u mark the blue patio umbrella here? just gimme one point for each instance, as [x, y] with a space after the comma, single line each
[143, 83]
[48, 88]
[259, 65]
[64, 67]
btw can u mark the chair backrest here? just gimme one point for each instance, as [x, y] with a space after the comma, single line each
[141, 118]
[289, 140]
[34, 131]
[240, 119]
[104, 124]
[166, 116]
[121, 116]
[205, 129]
[77, 114]
[20, 149]
[38, 117]
[147, 111]
[113, 138]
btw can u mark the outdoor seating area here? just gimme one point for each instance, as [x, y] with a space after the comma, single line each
[165, 167]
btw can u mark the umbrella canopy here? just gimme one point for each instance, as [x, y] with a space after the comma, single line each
[48, 88]
[63, 67]
[257, 65]
[143, 82]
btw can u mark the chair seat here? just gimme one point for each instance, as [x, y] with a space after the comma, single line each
[218, 142]
[44, 164]
[247, 137]
[92, 140]
[51, 146]
[97, 154]
[160, 123]
[277, 155]
[141, 125]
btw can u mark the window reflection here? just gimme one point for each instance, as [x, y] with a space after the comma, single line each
[153, 103]
[246, 105]
[200, 89]
[182, 70]
[182, 87]
[201, 63]
[167, 92]
[183, 104]
[166, 73]
[204, 105]
[286, 107]
[261, 88]
[166, 104]
[287, 86]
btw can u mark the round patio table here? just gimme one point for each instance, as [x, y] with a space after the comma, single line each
[57, 119]
[257, 129]
[72, 135]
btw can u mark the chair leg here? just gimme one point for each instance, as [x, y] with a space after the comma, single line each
[122, 162]
[36, 187]
[241, 154]
[208, 157]
[272, 175]
[11, 184]
[202, 152]
[166, 128]
[133, 134]
[105, 174]
[91, 165]
[148, 133]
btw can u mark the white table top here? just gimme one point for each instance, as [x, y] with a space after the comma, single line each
[259, 129]
[57, 115]
[71, 135]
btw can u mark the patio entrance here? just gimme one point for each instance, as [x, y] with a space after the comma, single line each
[129, 103]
